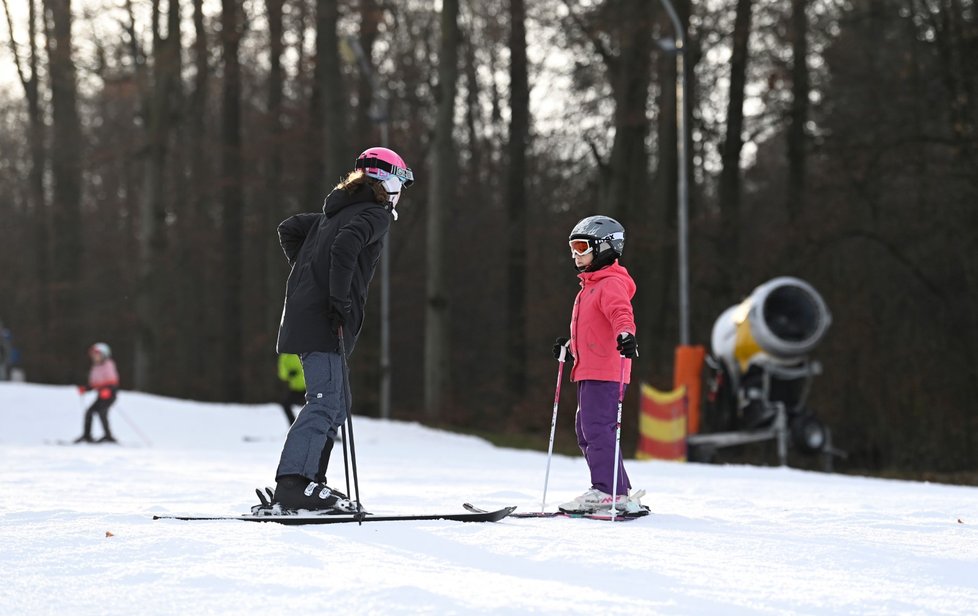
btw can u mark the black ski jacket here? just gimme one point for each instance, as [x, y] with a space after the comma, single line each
[333, 257]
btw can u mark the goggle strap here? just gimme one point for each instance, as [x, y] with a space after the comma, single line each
[405, 175]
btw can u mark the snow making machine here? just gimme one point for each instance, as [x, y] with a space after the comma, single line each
[760, 372]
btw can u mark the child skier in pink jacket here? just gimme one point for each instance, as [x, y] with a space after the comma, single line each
[104, 379]
[602, 343]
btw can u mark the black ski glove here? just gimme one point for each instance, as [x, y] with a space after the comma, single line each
[563, 345]
[339, 312]
[627, 345]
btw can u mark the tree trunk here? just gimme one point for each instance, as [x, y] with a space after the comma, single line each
[36, 191]
[630, 77]
[274, 166]
[152, 239]
[371, 15]
[195, 218]
[799, 107]
[443, 176]
[728, 191]
[338, 158]
[327, 146]
[519, 130]
[67, 330]
[232, 198]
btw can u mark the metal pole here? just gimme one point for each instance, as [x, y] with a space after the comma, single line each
[682, 143]
[385, 310]
[618, 462]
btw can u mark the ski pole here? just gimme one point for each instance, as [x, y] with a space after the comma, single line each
[553, 424]
[349, 417]
[142, 436]
[346, 460]
[614, 474]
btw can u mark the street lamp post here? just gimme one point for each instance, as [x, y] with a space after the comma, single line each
[682, 142]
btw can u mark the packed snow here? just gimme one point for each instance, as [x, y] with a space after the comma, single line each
[77, 534]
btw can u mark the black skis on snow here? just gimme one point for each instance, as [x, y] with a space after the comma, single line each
[621, 517]
[300, 519]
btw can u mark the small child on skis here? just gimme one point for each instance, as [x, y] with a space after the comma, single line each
[602, 344]
[104, 379]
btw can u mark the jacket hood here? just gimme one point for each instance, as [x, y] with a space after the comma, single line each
[615, 270]
[339, 199]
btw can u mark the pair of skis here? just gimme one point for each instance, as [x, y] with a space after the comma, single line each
[474, 514]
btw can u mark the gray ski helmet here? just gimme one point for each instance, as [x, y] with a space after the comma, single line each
[101, 348]
[603, 233]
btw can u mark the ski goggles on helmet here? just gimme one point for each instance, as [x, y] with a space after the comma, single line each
[579, 248]
[406, 176]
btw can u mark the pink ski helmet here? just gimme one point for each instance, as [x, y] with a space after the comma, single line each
[382, 163]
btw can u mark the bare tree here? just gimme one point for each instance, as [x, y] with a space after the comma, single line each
[158, 114]
[232, 198]
[195, 214]
[799, 106]
[371, 16]
[728, 192]
[66, 170]
[443, 174]
[274, 162]
[519, 133]
[30, 80]
[337, 157]
[328, 149]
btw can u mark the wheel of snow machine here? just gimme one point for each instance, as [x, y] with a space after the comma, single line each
[808, 434]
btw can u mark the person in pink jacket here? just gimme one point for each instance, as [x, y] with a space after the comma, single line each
[104, 379]
[602, 345]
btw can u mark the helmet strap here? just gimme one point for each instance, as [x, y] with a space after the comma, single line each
[392, 186]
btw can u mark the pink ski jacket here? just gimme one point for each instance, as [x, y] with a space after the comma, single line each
[602, 310]
[103, 375]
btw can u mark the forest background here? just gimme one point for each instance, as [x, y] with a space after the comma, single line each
[149, 148]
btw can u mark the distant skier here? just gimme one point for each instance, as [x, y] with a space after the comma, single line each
[602, 332]
[290, 372]
[333, 255]
[104, 379]
[6, 353]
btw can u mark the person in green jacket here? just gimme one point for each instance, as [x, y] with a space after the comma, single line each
[290, 371]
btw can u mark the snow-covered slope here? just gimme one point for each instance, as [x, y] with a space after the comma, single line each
[721, 540]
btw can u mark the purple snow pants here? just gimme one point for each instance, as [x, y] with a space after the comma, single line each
[597, 414]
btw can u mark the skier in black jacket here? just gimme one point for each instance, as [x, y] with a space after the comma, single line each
[333, 257]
